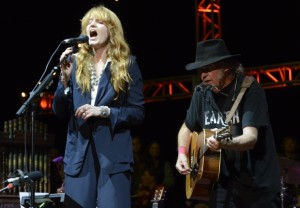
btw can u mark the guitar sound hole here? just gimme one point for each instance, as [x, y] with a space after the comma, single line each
[194, 170]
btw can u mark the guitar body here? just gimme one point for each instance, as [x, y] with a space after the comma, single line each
[205, 166]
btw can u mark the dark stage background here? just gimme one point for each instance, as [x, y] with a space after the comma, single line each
[162, 36]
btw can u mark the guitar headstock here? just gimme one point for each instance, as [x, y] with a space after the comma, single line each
[158, 198]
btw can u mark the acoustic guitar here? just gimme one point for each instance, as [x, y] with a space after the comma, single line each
[205, 164]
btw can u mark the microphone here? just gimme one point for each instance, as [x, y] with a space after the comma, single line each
[74, 41]
[9, 186]
[35, 175]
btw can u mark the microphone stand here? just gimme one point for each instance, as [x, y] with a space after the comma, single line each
[45, 83]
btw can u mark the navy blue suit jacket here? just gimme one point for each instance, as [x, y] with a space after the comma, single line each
[112, 135]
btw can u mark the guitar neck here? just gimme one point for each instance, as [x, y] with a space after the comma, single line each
[205, 148]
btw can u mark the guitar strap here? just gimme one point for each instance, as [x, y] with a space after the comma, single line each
[246, 83]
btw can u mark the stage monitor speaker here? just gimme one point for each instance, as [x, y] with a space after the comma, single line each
[49, 200]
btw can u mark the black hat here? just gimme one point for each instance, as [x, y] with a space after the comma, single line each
[209, 52]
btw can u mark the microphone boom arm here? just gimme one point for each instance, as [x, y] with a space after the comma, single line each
[45, 83]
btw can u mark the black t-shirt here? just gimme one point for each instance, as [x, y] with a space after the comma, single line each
[257, 168]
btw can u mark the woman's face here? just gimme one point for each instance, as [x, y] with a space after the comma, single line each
[97, 32]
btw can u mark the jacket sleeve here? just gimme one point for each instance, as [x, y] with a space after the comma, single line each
[61, 104]
[131, 112]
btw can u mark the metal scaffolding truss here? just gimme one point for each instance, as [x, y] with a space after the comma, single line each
[208, 19]
[174, 88]
[208, 22]
[276, 76]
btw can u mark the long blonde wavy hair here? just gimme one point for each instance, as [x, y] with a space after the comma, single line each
[118, 51]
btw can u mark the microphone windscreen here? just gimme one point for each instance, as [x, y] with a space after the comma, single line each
[35, 175]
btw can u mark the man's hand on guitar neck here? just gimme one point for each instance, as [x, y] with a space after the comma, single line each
[213, 143]
[219, 137]
[239, 143]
